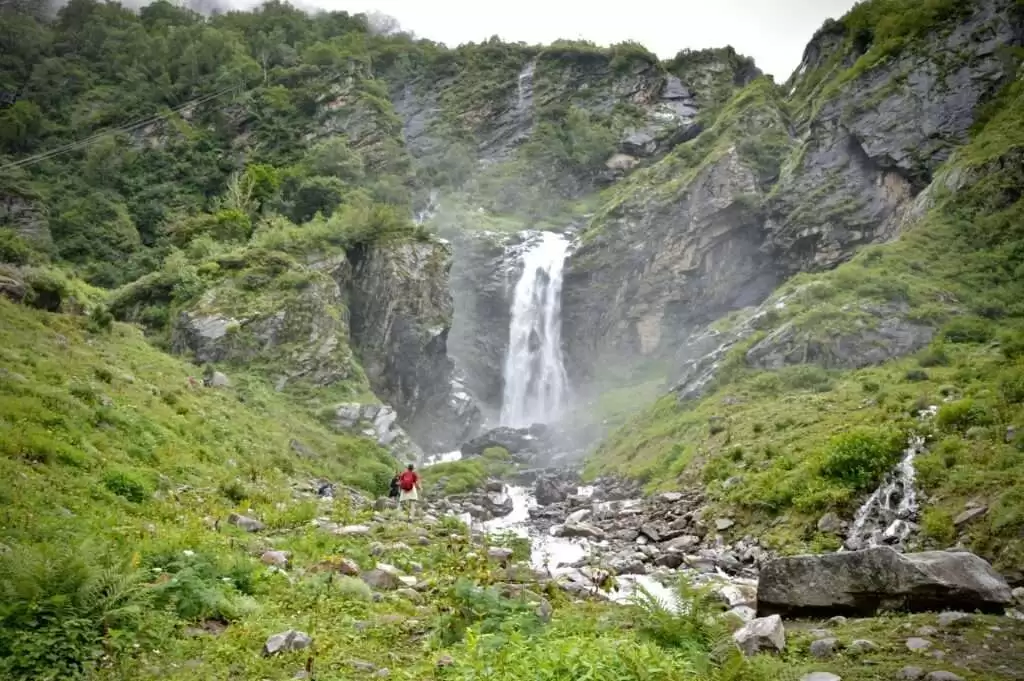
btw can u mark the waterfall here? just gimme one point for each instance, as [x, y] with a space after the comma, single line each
[526, 86]
[536, 384]
[886, 518]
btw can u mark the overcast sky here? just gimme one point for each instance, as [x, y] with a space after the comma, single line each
[774, 32]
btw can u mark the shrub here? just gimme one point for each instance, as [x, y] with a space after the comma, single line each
[916, 375]
[353, 589]
[934, 356]
[234, 491]
[203, 587]
[127, 484]
[13, 248]
[806, 377]
[62, 611]
[937, 525]
[1011, 385]
[968, 330]
[100, 319]
[859, 458]
[963, 414]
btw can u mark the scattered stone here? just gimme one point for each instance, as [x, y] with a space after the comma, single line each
[445, 661]
[383, 672]
[836, 621]
[544, 610]
[245, 522]
[824, 648]
[744, 612]
[918, 645]
[821, 676]
[578, 530]
[385, 504]
[866, 581]
[910, 673]
[409, 594]
[671, 497]
[942, 676]
[276, 558]
[286, 642]
[218, 380]
[683, 543]
[352, 530]
[927, 630]
[1015, 614]
[764, 634]
[723, 524]
[363, 665]
[862, 646]
[651, 533]
[954, 619]
[969, 515]
[499, 554]
[1018, 595]
[384, 580]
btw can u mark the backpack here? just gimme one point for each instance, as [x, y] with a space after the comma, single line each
[407, 481]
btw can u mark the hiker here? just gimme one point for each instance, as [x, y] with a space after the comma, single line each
[393, 489]
[408, 487]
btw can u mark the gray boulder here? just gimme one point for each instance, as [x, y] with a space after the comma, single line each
[550, 490]
[824, 648]
[879, 579]
[765, 634]
[286, 642]
[513, 440]
[245, 522]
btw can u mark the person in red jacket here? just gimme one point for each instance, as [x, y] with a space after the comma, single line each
[408, 487]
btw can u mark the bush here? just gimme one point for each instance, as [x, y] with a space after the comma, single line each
[968, 330]
[962, 415]
[61, 612]
[127, 484]
[100, 319]
[934, 356]
[860, 458]
[13, 248]
[353, 589]
[203, 587]
[916, 375]
[1011, 385]
[937, 525]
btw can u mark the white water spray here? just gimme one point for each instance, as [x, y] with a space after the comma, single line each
[526, 86]
[536, 384]
[886, 517]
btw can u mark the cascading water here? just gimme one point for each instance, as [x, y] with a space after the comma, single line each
[536, 384]
[887, 515]
[526, 87]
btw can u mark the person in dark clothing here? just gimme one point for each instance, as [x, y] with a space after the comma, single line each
[393, 491]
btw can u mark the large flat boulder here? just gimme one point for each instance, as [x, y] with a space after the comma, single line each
[879, 579]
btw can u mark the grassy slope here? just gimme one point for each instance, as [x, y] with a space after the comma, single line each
[770, 433]
[113, 472]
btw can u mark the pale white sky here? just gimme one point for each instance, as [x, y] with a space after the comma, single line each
[773, 32]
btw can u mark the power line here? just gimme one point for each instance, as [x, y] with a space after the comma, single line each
[82, 143]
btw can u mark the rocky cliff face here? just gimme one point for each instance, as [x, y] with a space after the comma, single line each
[777, 194]
[872, 136]
[401, 314]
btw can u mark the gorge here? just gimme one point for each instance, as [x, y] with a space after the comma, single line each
[754, 345]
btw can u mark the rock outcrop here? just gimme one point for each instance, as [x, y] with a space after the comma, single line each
[874, 580]
[401, 312]
[294, 334]
[876, 141]
[379, 422]
[675, 254]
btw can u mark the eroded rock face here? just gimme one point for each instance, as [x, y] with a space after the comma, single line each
[26, 216]
[875, 144]
[884, 332]
[874, 580]
[401, 312]
[299, 336]
[658, 267]
[380, 422]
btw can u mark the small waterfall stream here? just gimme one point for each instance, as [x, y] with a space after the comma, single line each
[525, 100]
[887, 517]
[536, 384]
